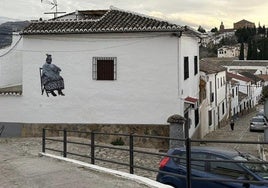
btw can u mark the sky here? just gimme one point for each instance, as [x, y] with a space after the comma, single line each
[194, 13]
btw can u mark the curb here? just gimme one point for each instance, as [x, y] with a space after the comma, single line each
[132, 177]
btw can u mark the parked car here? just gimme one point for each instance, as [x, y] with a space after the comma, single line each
[258, 123]
[261, 114]
[212, 169]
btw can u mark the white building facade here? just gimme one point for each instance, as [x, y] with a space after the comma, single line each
[228, 51]
[154, 70]
[216, 95]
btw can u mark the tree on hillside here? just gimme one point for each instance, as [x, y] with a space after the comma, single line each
[201, 29]
[214, 30]
[263, 49]
[249, 54]
[244, 34]
[241, 54]
[254, 53]
[228, 41]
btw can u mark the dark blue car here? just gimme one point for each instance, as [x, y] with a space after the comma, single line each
[206, 164]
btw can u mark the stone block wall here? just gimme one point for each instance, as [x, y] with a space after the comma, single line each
[35, 130]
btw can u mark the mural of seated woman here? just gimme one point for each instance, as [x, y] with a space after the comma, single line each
[50, 78]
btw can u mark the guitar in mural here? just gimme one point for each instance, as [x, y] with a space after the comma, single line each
[51, 80]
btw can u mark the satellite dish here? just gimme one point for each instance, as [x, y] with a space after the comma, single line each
[54, 4]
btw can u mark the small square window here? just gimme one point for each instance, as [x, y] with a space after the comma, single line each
[104, 68]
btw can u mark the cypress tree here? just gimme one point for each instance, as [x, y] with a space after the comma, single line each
[254, 50]
[265, 49]
[249, 54]
[241, 54]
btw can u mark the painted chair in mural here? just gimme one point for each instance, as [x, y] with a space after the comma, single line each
[43, 89]
[51, 84]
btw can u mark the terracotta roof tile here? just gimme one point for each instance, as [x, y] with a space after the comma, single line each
[113, 20]
[210, 67]
[238, 77]
[251, 76]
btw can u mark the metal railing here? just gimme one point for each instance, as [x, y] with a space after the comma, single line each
[131, 150]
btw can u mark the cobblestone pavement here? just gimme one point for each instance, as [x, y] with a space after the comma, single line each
[21, 167]
[32, 146]
[241, 133]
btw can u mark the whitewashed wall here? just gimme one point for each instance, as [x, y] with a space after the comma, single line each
[256, 92]
[11, 64]
[204, 107]
[188, 46]
[212, 105]
[221, 94]
[234, 100]
[145, 92]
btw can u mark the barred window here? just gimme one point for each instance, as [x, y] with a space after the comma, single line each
[104, 68]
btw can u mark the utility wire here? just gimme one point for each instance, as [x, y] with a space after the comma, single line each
[11, 48]
[90, 50]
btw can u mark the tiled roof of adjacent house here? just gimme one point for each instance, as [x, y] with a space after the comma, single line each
[102, 21]
[11, 91]
[263, 76]
[210, 67]
[239, 77]
[236, 62]
[251, 76]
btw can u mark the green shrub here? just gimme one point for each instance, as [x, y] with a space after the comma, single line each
[118, 142]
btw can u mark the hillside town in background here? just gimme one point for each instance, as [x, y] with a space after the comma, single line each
[212, 77]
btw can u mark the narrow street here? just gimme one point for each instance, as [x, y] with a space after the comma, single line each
[240, 133]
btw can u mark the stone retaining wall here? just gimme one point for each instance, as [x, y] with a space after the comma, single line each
[35, 130]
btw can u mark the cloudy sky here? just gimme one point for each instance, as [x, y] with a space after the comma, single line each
[207, 13]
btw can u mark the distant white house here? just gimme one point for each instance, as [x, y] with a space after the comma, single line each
[256, 86]
[119, 67]
[228, 51]
[233, 95]
[245, 89]
[214, 108]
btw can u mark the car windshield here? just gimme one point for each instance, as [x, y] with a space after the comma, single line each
[257, 120]
[259, 169]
